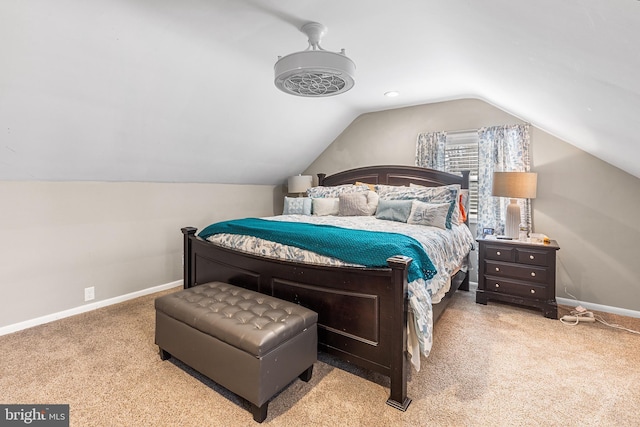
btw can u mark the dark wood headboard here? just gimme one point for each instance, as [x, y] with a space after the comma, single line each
[394, 175]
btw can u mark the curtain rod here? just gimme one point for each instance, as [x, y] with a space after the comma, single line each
[477, 129]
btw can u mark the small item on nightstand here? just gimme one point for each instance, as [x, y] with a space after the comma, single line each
[524, 233]
[540, 238]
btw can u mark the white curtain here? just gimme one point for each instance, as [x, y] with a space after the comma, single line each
[430, 150]
[501, 149]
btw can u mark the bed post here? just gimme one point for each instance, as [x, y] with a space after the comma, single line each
[398, 372]
[464, 286]
[321, 177]
[189, 233]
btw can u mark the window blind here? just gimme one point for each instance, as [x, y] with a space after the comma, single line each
[461, 153]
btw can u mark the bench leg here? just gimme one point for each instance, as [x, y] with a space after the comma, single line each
[259, 412]
[164, 355]
[306, 375]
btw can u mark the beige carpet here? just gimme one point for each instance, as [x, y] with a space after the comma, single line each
[494, 365]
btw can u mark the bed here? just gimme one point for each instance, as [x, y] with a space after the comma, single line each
[363, 311]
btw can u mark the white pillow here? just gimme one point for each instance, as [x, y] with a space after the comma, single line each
[434, 214]
[326, 206]
[372, 202]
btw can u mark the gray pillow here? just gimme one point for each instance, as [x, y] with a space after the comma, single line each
[353, 204]
[394, 210]
[434, 214]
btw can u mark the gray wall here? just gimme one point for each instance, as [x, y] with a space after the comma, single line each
[587, 205]
[57, 238]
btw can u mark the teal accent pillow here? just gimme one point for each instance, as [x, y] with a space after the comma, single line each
[394, 210]
[297, 206]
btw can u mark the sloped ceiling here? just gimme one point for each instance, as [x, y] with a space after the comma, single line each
[182, 91]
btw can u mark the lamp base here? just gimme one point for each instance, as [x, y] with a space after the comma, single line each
[512, 226]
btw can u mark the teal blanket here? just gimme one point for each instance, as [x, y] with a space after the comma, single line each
[367, 248]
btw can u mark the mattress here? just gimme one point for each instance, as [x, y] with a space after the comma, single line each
[447, 249]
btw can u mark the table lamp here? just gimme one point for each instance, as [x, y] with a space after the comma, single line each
[299, 184]
[515, 185]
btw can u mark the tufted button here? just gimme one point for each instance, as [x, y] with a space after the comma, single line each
[244, 319]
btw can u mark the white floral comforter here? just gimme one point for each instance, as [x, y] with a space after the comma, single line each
[447, 250]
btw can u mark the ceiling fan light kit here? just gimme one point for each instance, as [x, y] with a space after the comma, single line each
[314, 72]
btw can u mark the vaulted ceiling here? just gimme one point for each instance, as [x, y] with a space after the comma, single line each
[182, 91]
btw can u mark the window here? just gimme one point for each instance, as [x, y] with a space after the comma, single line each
[461, 153]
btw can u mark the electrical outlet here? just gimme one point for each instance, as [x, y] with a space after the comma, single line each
[89, 293]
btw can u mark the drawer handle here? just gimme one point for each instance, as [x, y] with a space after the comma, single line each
[498, 253]
[497, 285]
[533, 291]
[497, 268]
[532, 257]
[533, 274]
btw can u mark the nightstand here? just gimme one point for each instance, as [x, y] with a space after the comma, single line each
[518, 272]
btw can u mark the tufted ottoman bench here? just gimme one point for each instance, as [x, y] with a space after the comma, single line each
[250, 343]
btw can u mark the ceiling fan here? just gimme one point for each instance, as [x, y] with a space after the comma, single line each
[314, 72]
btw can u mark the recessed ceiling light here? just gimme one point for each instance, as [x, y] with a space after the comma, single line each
[391, 93]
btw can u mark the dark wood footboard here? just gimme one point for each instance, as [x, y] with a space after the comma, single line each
[362, 312]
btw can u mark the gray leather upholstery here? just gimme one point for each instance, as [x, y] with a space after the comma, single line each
[250, 343]
[250, 321]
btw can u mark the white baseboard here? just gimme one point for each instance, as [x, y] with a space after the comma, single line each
[598, 307]
[99, 304]
[84, 308]
[588, 305]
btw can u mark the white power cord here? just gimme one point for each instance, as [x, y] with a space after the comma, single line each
[581, 314]
[616, 326]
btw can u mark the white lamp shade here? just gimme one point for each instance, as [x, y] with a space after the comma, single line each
[516, 185]
[299, 183]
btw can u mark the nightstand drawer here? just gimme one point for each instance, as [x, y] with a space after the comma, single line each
[533, 257]
[500, 253]
[524, 272]
[527, 290]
